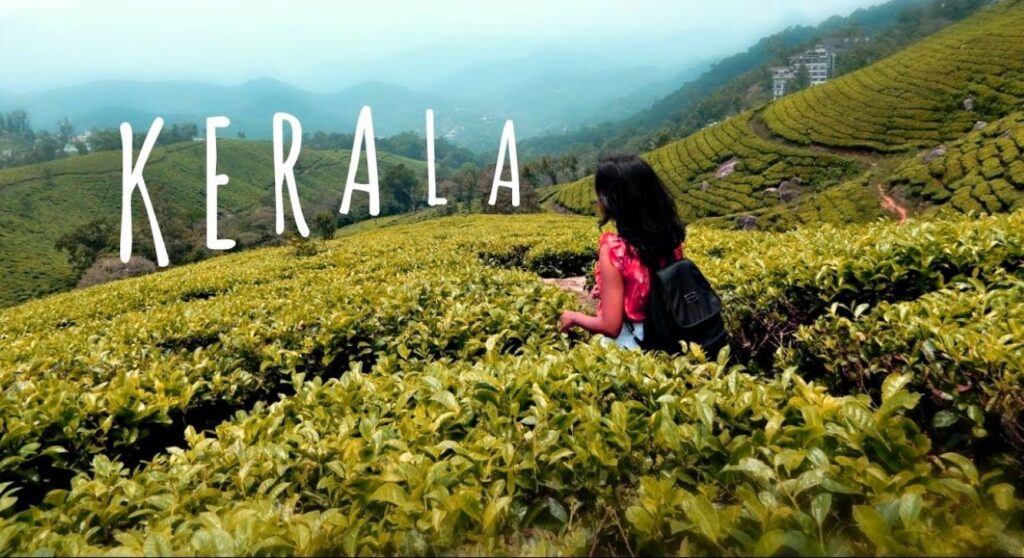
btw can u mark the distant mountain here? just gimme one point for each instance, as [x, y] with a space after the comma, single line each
[250, 106]
[670, 107]
[470, 107]
[543, 97]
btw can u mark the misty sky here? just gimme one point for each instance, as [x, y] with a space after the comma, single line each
[327, 45]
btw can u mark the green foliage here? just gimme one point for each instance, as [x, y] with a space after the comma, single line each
[425, 458]
[303, 247]
[743, 81]
[399, 186]
[406, 391]
[325, 224]
[406, 144]
[690, 170]
[962, 344]
[982, 172]
[821, 138]
[41, 203]
[88, 242]
[801, 81]
[771, 294]
[854, 201]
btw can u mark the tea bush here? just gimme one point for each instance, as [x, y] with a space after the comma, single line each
[406, 390]
[587, 449]
[962, 343]
[982, 173]
[690, 170]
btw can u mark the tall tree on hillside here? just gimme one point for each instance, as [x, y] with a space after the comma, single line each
[571, 164]
[17, 122]
[325, 224]
[548, 169]
[465, 185]
[801, 81]
[85, 244]
[399, 183]
[180, 133]
[44, 148]
[528, 199]
[105, 140]
[66, 131]
[529, 174]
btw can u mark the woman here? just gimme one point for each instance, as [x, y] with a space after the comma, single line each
[650, 236]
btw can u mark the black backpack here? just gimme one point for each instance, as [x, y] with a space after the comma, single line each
[683, 308]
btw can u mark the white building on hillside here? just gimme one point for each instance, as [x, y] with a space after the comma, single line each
[820, 62]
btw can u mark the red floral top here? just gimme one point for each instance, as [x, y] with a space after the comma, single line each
[636, 280]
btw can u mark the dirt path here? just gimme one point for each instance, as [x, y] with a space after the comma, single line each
[890, 204]
[576, 286]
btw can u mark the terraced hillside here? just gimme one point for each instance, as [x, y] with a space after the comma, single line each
[39, 203]
[931, 92]
[407, 391]
[983, 172]
[761, 167]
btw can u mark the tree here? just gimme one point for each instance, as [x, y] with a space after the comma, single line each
[105, 140]
[16, 122]
[465, 185]
[179, 133]
[66, 132]
[43, 149]
[801, 81]
[325, 224]
[528, 173]
[548, 169]
[398, 184]
[85, 244]
[571, 163]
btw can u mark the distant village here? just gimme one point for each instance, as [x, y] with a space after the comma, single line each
[820, 63]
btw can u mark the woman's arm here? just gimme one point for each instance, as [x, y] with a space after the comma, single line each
[609, 323]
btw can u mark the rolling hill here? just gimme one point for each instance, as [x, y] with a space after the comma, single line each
[739, 80]
[39, 203]
[851, 132]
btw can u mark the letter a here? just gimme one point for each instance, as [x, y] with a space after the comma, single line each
[364, 130]
[508, 143]
[132, 177]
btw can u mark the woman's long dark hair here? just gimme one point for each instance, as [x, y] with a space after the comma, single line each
[633, 196]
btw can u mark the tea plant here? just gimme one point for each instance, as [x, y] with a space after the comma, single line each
[406, 391]
[594, 448]
[981, 173]
[962, 343]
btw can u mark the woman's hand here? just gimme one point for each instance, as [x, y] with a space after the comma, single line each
[568, 320]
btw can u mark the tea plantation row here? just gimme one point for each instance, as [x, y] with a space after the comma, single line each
[406, 391]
